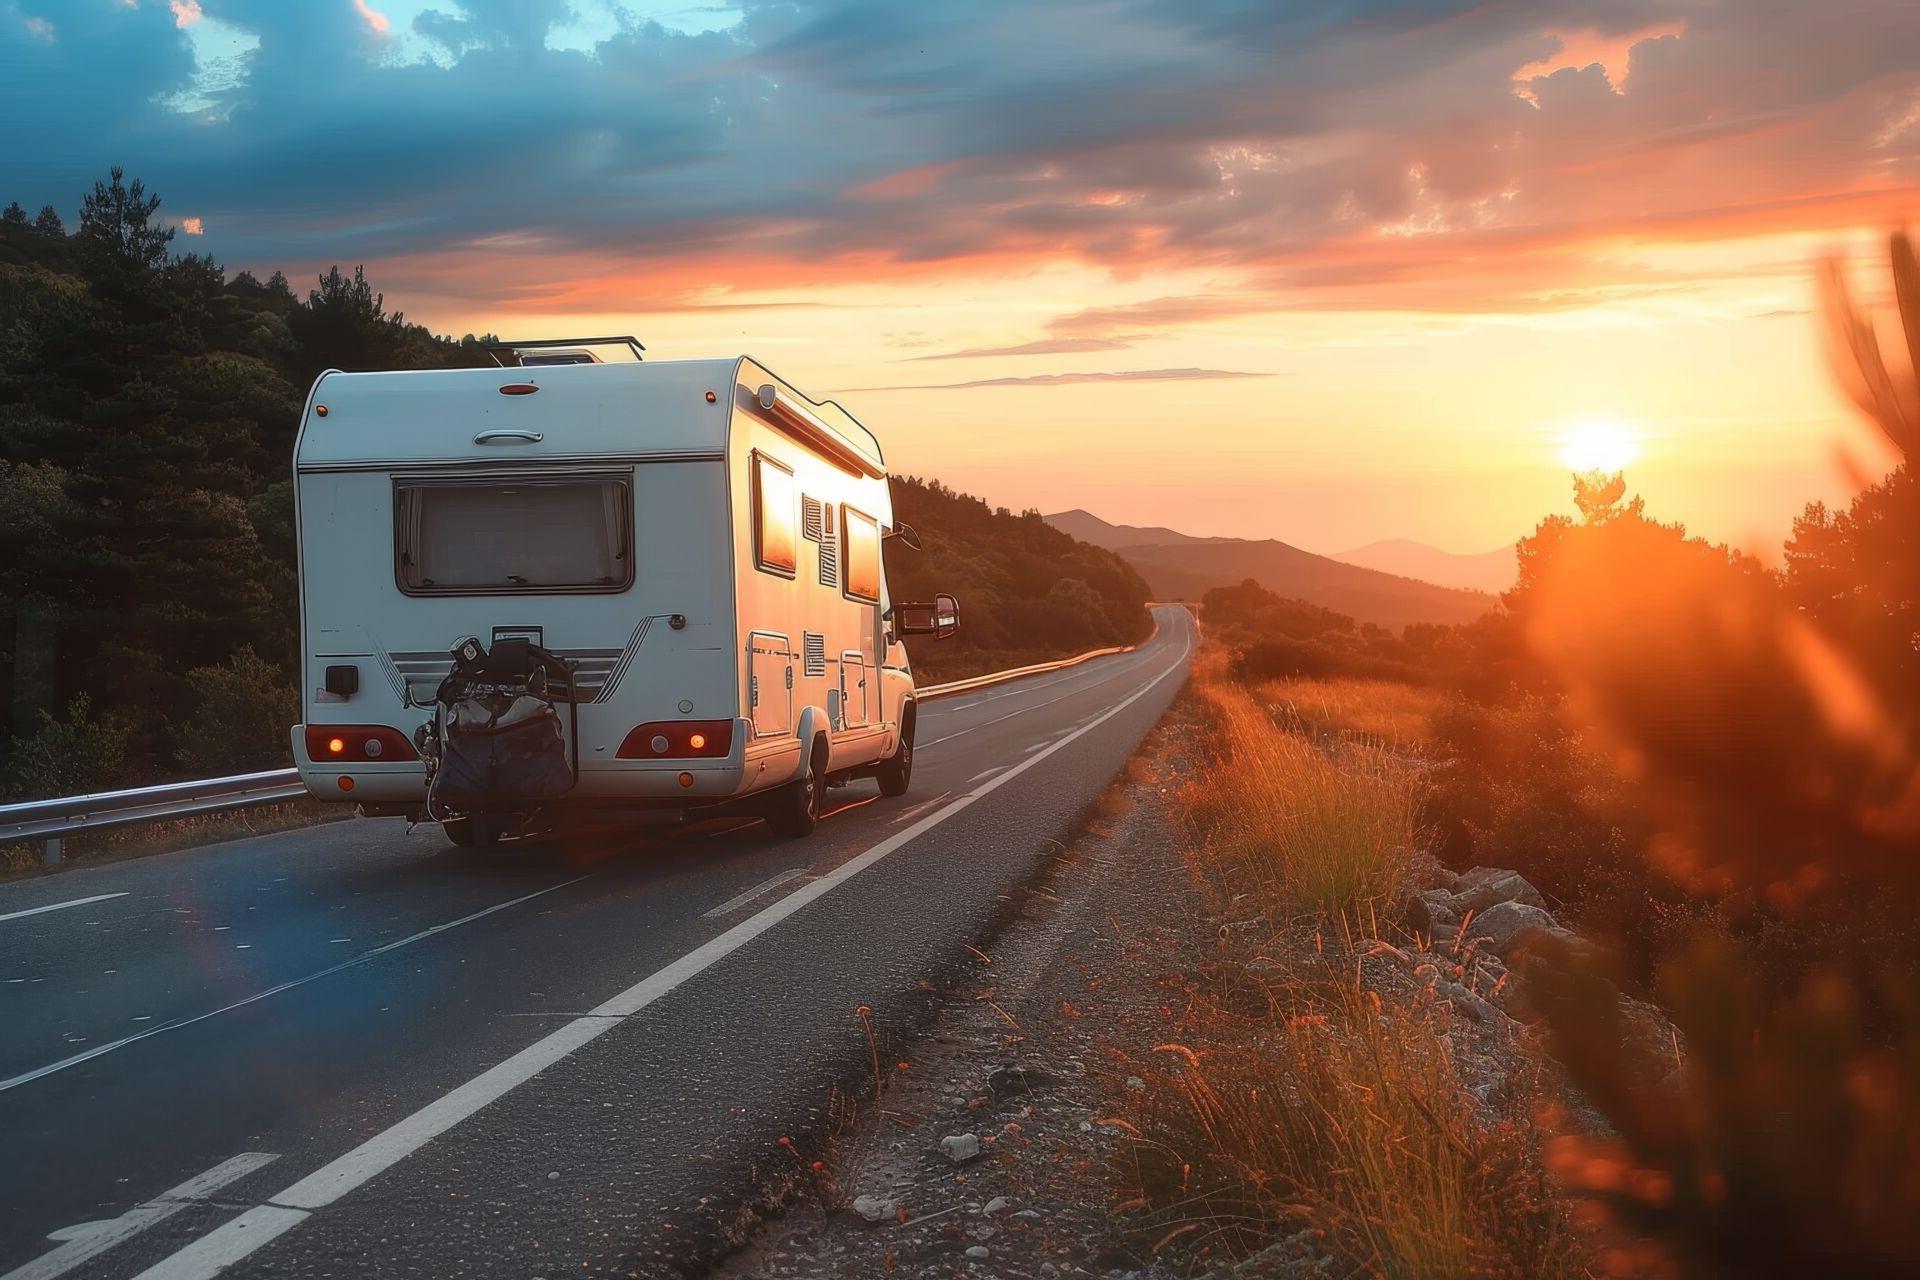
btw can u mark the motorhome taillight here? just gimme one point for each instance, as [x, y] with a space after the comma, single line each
[518, 389]
[357, 742]
[679, 740]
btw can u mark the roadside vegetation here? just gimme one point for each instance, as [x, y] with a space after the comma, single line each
[1028, 592]
[1300, 1112]
[1711, 771]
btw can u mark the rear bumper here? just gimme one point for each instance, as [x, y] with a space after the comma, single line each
[602, 783]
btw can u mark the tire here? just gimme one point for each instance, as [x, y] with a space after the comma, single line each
[470, 832]
[794, 810]
[895, 773]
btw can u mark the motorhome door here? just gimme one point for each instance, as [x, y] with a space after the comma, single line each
[770, 683]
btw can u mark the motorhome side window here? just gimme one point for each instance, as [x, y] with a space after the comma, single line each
[505, 535]
[860, 540]
[775, 541]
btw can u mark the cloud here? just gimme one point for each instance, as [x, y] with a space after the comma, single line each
[375, 20]
[1039, 347]
[1341, 154]
[1071, 379]
[193, 226]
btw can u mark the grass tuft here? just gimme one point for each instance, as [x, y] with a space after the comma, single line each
[1304, 831]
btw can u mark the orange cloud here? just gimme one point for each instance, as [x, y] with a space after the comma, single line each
[185, 13]
[375, 20]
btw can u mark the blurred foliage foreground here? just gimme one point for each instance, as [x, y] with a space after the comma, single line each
[1712, 768]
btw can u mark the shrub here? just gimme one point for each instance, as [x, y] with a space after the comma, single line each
[245, 709]
[80, 754]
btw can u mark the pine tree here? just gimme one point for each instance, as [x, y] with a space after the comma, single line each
[14, 216]
[47, 222]
[117, 225]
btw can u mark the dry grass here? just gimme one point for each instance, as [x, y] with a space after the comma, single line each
[1341, 1115]
[1322, 1111]
[1304, 831]
[1386, 712]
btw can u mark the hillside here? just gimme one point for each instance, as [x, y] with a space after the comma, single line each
[1178, 566]
[1491, 571]
[1028, 592]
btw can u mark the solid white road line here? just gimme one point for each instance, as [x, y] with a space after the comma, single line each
[1028, 685]
[257, 996]
[98, 1237]
[765, 886]
[58, 906]
[240, 1236]
[1017, 711]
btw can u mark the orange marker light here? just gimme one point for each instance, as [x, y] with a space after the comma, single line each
[698, 742]
[320, 410]
[346, 784]
[711, 397]
[686, 779]
[336, 745]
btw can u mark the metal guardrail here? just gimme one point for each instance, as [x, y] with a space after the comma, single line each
[51, 821]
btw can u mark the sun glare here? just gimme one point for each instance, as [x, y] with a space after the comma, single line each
[1598, 444]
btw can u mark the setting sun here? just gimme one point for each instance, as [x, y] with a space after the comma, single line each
[1598, 444]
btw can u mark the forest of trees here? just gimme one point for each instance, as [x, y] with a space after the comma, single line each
[1027, 591]
[148, 403]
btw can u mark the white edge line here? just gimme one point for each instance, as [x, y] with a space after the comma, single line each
[257, 1226]
[117, 1231]
[227, 1244]
[742, 899]
[61, 906]
[1021, 711]
[175, 1025]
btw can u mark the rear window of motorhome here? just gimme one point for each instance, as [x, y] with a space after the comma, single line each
[498, 536]
[774, 536]
[861, 539]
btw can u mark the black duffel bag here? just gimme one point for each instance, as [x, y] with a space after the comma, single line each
[500, 747]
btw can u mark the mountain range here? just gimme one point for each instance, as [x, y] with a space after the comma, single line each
[1372, 584]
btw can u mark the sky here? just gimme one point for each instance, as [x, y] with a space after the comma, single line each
[1330, 271]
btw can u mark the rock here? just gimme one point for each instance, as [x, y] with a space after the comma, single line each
[875, 1208]
[1484, 887]
[976, 1251]
[1027, 1215]
[960, 1147]
[1136, 1084]
[1503, 923]
[1434, 912]
[999, 1204]
[1472, 1006]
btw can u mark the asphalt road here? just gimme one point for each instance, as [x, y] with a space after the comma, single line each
[352, 1050]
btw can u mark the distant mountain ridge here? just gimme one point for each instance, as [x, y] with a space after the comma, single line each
[1492, 571]
[1180, 566]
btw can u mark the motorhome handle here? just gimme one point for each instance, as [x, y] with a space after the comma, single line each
[509, 437]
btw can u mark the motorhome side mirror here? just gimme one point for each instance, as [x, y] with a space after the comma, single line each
[904, 532]
[939, 619]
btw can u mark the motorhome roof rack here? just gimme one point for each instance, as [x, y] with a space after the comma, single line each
[507, 354]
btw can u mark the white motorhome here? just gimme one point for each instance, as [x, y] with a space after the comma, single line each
[693, 546]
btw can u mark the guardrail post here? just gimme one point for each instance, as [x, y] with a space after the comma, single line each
[50, 851]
